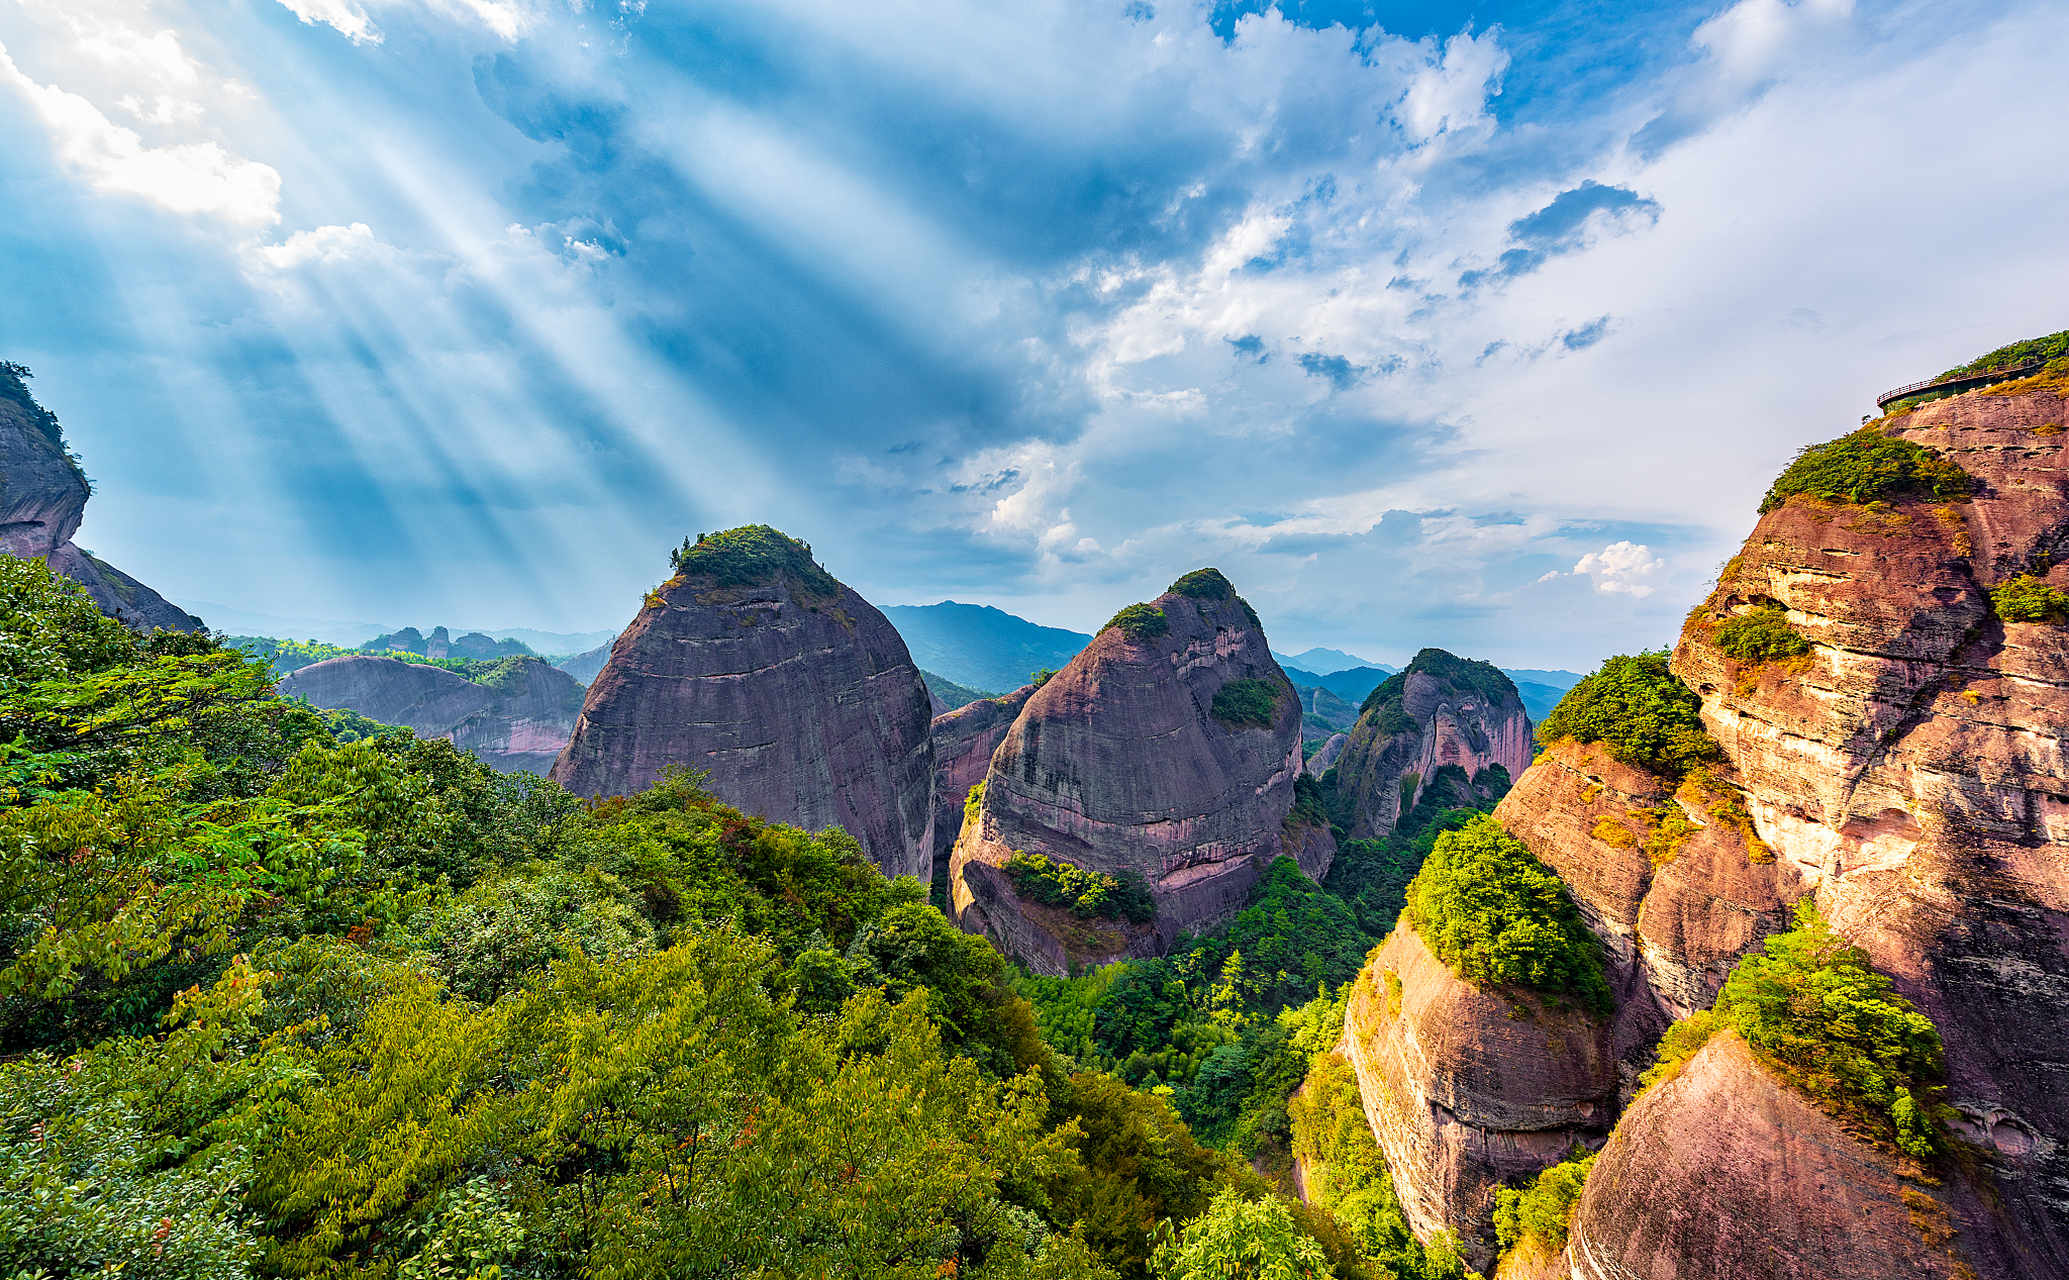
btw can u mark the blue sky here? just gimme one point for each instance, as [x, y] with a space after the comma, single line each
[1481, 326]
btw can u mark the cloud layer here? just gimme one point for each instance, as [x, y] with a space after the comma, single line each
[1486, 336]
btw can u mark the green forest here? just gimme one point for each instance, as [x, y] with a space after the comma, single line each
[282, 996]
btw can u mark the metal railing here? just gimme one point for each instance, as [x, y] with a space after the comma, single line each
[1965, 382]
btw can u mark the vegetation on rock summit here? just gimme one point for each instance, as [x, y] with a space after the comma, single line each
[1641, 713]
[751, 555]
[1866, 466]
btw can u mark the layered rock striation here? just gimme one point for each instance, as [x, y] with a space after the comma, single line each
[1168, 748]
[964, 740]
[1439, 713]
[516, 718]
[42, 500]
[792, 692]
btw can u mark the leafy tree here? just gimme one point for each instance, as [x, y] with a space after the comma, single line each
[1246, 704]
[1140, 622]
[1866, 466]
[1240, 1238]
[1640, 712]
[1544, 1209]
[1488, 908]
[1759, 636]
[750, 555]
[2026, 598]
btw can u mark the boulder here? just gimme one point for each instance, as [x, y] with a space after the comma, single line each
[515, 720]
[1725, 1173]
[1912, 768]
[793, 693]
[42, 499]
[1468, 1088]
[1441, 713]
[1166, 749]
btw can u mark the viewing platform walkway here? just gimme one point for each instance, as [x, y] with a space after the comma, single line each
[1952, 386]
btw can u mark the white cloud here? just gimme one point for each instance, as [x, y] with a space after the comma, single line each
[195, 177]
[1628, 568]
[346, 16]
[324, 244]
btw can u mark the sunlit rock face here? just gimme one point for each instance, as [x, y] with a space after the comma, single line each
[1441, 713]
[516, 721]
[1119, 764]
[42, 499]
[792, 691]
[1467, 1088]
[1914, 775]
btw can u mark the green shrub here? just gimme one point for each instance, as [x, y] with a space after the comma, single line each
[2029, 599]
[1488, 908]
[1310, 808]
[1140, 622]
[1482, 681]
[1814, 1009]
[1639, 711]
[1867, 466]
[1759, 636]
[1084, 892]
[1384, 704]
[1246, 704]
[750, 555]
[1543, 1209]
[1204, 584]
[2051, 347]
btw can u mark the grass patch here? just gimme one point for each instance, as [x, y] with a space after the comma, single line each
[1866, 466]
[1083, 893]
[1640, 712]
[2029, 599]
[1246, 703]
[1816, 1012]
[1702, 789]
[1611, 832]
[1140, 622]
[751, 555]
[1667, 828]
[1544, 1209]
[1488, 908]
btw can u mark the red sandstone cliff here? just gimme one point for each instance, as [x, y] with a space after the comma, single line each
[516, 720]
[1119, 764]
[963, 742]
[793, 692]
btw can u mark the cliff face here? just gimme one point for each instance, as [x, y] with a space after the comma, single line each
[1466, 1088]
[1326, 755]
[1672, 931]
[1724, 1173]
[963, 742]
[43, 498]
[1170, 754]
[1913, 770]
[754, 663]
[1440, 711]
[515, 722]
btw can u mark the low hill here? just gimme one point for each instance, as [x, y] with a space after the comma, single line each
[980, 647]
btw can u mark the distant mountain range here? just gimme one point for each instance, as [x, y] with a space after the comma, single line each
[1328, 661]
[981, 647]
[221, 617]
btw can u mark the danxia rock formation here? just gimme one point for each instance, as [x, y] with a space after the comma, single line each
[793, 693]
[963, 742]
[516, 718]
[1168, 748]
[42, 499]
[1439, 714]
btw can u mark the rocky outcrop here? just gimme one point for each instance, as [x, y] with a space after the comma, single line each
[42, 499]
[1467, 1088]
[1440, 711]
[963, 742]
[1725, 1173]
[515, 719]
[585, 666]
[1168, 749]
[1675, 917]
[1326, 755]
[793, 693]
[1912, 767]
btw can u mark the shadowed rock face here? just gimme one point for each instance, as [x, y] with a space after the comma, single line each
[1725, 1173]
[1326, 755]
[1461, 1094]
[791, 690]
[963, 742]
[1914, 774]
[1439, 711]
[1119, 764]
[1673, 932]
[516, 723]
[42, 499]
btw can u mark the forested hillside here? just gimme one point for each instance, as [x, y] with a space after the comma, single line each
[278, 1002]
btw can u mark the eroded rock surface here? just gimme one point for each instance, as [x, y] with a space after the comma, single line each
[1725, 1173]
[1326, 755]
[1467, 1088]
[42, 499]
[791, 690]
[516, 721]
[963, 742]
[1439, 714]
[1119, 764]
[1913, 770]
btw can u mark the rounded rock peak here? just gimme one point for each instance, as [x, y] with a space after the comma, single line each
[752, 555]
